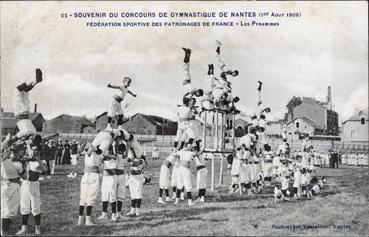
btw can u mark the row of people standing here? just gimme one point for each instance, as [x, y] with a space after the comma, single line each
[355, 159]
[59, 153]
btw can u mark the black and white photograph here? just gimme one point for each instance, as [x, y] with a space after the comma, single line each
[184, 118]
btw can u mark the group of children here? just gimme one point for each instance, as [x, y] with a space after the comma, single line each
[292, 174]
[355, 159]
[116, 152]
[175, 172]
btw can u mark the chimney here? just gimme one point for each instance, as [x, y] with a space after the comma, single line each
[35, 108]
[329, 98]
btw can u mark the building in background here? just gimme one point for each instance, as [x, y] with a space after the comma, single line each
[8, 124]
[140, 124]
[66, 124]
[355, 129]
[150, 125]
[304, 126]
[320, 114]
[89, 130]
[102, 121]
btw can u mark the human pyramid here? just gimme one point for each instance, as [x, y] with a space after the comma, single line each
[113, 149]
[176, 168]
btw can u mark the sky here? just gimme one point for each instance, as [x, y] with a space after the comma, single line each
[326, 46]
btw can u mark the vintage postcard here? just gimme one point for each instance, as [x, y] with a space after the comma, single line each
[234, 118]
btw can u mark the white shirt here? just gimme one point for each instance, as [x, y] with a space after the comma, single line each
[137, 148]
[11, 169]
[172, 158]
[120, 93]
[184, 112]
[246, 140]
[120, 162]
[110, 164]
[186, 155]
[199, 161]
[93, 159]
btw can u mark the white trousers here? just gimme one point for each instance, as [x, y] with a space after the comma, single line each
[164, 178]
[21, 103]
[10, 199]
[184, 178]
[121, 187]
[52, 166]
[115, 109]
[201, 178]
[173, 181]
[135, 186]
[30, 197]
[74, 160]
[25, 127]
[109, 188]
[89, 189]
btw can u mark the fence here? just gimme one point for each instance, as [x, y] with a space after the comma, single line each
[163, 142]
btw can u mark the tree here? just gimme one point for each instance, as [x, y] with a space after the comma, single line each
[292, 103]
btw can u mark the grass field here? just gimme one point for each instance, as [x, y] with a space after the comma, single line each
[343, 206]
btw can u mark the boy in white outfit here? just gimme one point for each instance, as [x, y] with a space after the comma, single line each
[201, 177]
[109, 185]
[136, 178]
[164, 178]
[21, 106]
[115, 107]
[184, 176]
[11, 170]
[121, 150]
[30, 188]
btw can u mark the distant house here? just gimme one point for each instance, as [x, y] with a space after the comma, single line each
[66, 124]
[319, 113]
[149, 124]
[102, 121]
[141, 124]
[8, 124]
[355, 128]
[304, 125]
[89, 130]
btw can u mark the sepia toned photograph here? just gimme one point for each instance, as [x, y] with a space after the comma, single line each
[184, 118]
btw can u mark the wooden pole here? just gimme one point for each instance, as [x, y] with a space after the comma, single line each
[216, 130]
[204, 131]
[221, 171]
[212, 131]
[233, 133]
[212, 173]
[222, 131]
